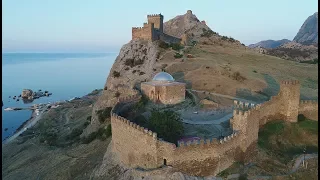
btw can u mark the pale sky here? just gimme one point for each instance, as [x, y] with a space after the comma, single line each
[104, 26]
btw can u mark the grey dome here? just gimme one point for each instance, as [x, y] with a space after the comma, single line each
[163, 76]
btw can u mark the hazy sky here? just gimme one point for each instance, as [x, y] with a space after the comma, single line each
[104, 26]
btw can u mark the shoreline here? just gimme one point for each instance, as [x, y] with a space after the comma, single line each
[35, 118]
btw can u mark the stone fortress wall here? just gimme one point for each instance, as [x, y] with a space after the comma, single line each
[139, 147]
[153, 30]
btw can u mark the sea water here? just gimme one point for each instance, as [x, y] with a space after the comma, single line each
[64, 75]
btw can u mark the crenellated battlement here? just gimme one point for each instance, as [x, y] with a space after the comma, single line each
[290, 82]
[137, 28]
[208, 142]
[243, 105]
[308, 102]
[154, 15]
[133, 125]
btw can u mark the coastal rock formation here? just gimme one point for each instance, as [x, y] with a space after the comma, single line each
[136, 63]
[308, 33]
[27, 94]
[269, 43]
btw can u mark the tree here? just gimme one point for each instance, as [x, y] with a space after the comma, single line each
[167, 124]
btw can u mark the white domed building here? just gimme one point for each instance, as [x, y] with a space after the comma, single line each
[164, 89]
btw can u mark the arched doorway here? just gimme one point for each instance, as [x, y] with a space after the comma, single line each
[164, 162]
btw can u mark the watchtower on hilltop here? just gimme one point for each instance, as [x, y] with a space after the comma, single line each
[157, 20]
[153, 30]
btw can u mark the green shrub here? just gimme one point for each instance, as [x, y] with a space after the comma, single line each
[89, 118]
[75, 133]
[254, 71]
[177, 56]
[141, 73]
[116, 74]
[101, 134]
[90, 138]
[176, 46]
[50, 137]
[103, 114]
[167, 124]
[163, 45]
[207, 33]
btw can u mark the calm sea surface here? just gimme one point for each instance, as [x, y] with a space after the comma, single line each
[64, 75]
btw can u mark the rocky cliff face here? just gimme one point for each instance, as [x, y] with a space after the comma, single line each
[187, 23]
[136, 62]
[308, 33]
[269, 43]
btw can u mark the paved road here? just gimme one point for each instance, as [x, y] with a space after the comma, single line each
[31, 123]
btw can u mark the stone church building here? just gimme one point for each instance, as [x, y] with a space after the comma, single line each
[164, 89]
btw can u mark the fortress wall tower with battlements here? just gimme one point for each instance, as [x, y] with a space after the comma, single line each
[137, 146]
[153, 30]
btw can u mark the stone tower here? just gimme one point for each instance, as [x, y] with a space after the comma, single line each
[157, 20]
[290, 99]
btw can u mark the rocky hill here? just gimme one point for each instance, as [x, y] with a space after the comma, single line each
[269, 43]
[187, 23]
[308, 33]
[295, 51]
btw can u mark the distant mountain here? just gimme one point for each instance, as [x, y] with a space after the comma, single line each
[308, 33]
[268, 44]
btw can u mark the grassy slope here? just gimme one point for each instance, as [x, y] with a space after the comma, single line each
[213, 64]
[279, 143]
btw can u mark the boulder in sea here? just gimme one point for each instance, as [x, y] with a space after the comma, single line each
[27, 93]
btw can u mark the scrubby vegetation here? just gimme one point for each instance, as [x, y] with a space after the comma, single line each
[176, 46]
[314, 61]
[167, 124]
[94, 92]
[163, 45]
[116, 74]
[237, 76]
[102, 134]
[226, 38]
[208, 33]
[286, 140]
[103, 114]
[292, 53]
[178, 55]
[132, 63]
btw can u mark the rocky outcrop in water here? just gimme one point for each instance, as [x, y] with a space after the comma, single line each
[27, 94]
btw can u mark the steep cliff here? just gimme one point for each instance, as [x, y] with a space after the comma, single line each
[308, 33]
[136, 62]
